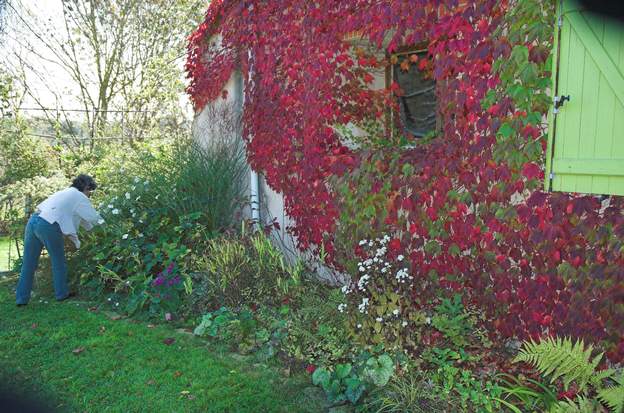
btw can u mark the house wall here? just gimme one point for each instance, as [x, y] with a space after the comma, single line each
[208, 126]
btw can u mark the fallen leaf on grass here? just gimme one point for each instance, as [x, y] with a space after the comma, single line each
[78, 350]
[102, 329]
[151, 326]
[150, 382]
[33, 326]
[187, 394]
[177, 374]
[92, 309]
[169, 341]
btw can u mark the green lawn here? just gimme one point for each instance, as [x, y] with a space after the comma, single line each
[86, 361]
[5, 246]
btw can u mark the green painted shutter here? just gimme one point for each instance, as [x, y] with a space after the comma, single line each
[586, 133]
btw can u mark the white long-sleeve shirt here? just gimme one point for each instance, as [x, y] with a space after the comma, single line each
[71, 209]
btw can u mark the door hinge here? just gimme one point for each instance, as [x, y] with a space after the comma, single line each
[551, 176]
[559, 101]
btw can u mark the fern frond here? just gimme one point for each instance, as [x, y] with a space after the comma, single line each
[561, 358]
[598, 378]
[613, 396]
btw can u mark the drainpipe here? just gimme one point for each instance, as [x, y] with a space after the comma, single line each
[254, 197]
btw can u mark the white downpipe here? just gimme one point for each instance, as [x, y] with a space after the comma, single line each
[255, 198]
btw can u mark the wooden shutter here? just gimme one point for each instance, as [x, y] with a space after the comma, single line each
[586, 133]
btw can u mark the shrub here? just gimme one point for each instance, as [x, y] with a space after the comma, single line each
[239, 270]
[19, 199]
[21, 156]
[159, 203]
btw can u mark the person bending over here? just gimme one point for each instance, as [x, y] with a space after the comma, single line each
[61, 214]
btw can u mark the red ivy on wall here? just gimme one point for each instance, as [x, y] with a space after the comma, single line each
[537, 263]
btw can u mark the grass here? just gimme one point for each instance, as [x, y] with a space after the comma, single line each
[79, 359]
[5, 247]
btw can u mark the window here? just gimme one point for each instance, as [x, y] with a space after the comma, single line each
[417, 98]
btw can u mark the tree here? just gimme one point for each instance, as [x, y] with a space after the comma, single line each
[121, 55]
[21, 156]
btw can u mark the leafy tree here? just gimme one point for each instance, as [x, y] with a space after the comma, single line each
[21, 156]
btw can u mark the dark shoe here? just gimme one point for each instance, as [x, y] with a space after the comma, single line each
[20, 304]
[70, 295]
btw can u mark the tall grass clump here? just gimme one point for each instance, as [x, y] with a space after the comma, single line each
[208, 178]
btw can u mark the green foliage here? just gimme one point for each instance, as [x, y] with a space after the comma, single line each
[580, 405]
[21, 156]
[523, 78]
[340, 385]
[212, 323]
[317, 333]
[452, 321]
[349, 381]
[572, 363]
[378, 370]
[409, 393]
[560, 358]
[243, 270]
[612, 396]
[455, 381]
[361, 204]
[159, 203]
[532, 396]
[19, 199]
[260, 333]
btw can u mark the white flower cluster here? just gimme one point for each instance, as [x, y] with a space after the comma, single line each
[363, 282]
[363, 307]
[402, 275]
[342, 307]
[376, 267]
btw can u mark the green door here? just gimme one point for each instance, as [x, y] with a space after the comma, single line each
[586, 132]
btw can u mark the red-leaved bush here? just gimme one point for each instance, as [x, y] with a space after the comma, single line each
[469, 216]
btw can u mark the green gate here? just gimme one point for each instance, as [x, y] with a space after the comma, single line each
[586, 126]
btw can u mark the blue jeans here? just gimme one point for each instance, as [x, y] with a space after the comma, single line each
[40, 233]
